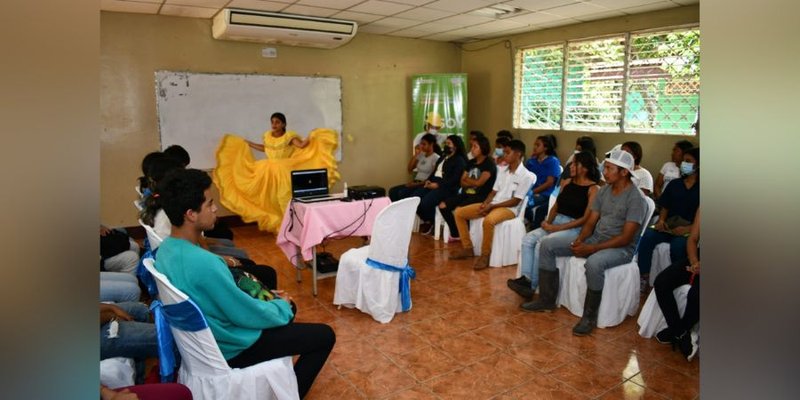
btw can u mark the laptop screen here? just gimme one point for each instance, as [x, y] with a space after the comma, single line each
[309, 182]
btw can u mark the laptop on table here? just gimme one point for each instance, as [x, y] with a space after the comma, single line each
[311, 186]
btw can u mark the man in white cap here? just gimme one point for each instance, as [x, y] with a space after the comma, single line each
[608, 239]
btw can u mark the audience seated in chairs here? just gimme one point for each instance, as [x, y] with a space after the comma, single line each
[426, 153]
[565, 219]
[510, 188]
[642, 177]
[477, 181]
[248, 330]
[671, 169]
[607, 240]
[545, 165]
[679, 203]
[444, 181]
[678, 331]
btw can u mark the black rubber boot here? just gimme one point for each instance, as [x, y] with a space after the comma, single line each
[548, 292]
[591, 306]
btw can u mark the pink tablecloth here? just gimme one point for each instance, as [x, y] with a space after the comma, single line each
[306, 225]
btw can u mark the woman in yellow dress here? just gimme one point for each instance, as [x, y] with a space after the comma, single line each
[259, 190]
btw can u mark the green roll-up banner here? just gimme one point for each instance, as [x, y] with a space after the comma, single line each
[439, 104]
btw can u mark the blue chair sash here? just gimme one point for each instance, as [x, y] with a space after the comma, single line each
[144, 275]
[184, 316]
[406, 274]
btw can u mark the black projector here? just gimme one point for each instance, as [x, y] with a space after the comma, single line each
[362, 192]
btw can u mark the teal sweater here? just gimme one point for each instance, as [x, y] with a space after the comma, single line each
[235, 318]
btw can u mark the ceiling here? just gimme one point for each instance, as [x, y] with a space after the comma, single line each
[443, 20]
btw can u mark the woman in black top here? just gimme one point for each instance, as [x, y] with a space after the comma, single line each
[477, 181]
[566, 218]
[444, 181]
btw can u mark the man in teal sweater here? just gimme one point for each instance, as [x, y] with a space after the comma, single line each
[247, 330]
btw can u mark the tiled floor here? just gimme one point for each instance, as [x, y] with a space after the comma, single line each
[465, 338]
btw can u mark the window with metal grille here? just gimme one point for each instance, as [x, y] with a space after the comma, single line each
[539, 78]
[642, 82]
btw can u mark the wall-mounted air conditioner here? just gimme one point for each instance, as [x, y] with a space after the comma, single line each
[288, 29]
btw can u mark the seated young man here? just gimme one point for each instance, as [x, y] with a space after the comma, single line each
[510, 187]
[248, 330]
[607, 240]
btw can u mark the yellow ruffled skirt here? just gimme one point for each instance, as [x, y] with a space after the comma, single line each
[260, 190]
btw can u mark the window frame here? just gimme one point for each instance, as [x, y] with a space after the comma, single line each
[621, 124]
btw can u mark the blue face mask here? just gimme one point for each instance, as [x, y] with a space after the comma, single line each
[498, 152]
[687, 168]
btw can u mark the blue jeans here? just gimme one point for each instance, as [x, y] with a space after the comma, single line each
[135, 339]
[426, 210]
[400, 192]
[529, 263]
[596, 264]
[650, 239]
[541, 212]
[118, 287]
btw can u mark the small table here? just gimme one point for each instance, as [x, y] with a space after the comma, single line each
[305, 225]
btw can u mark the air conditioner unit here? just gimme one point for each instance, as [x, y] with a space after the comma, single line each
[288, 29]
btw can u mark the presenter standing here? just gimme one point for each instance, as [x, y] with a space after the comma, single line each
[260, 190]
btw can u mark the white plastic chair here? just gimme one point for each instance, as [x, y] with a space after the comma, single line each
[372, 290]
[152, 236]
[439, 225]
[661, 260]
[620, 290]
[117, 372]
[651, 319]
[206, 373]
[506, 243]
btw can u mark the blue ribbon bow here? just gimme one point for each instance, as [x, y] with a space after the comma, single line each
[184, 316]
[142, 272]
[406, 274]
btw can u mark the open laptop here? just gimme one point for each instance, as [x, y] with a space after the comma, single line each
[311, 185]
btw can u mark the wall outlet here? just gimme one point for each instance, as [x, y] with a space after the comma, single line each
[269, 52]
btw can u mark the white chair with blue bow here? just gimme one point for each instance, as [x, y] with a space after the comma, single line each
[376, 278]
[203, 368]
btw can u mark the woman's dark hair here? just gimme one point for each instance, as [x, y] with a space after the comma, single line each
[279, 116]
[587, 144]
[549, 145]
[589, 162]
[484, 145]
[458, 146]
[182, 190]
[506, 134]
[694, 152]
[144, 183]
[636, 150]
[501, 141]
[179, 153]
[160, 168]
[684, 145]
[431, 139]
[474, 135]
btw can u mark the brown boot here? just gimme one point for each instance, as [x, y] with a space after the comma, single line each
[460, 254]
[481, 263]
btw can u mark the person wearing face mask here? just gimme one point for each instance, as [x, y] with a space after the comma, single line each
[499, 150]
[443, 182]
[476, 183]
[678, 203]
[671, 170]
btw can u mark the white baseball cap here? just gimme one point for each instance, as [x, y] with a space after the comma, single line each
[620, 158]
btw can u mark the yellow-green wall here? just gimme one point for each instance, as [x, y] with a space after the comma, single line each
[489, 65]
[374, 69]
[375, 74]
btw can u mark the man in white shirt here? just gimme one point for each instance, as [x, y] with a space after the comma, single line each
[502, 203]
